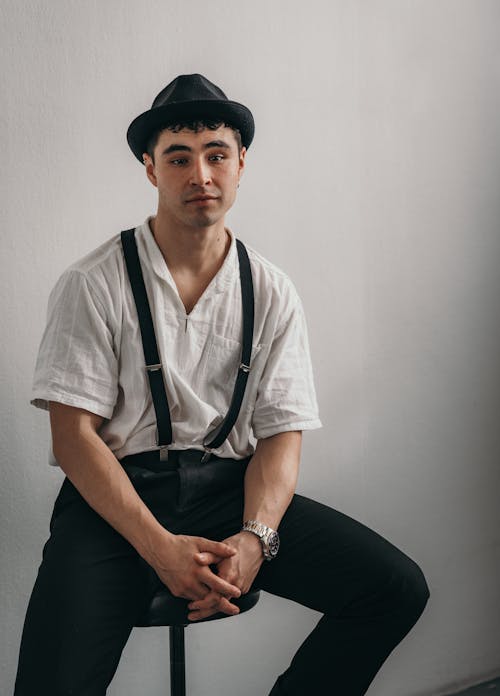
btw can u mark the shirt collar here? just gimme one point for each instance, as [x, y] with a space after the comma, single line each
[155, 258]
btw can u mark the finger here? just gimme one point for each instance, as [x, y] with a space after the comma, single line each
[210, 601]
[228, 607]
[204, 607]
[213, 600]
[197, 615]
[224, 606]
[221, 586]
[196, 592]
[217, 547]
[207, 558]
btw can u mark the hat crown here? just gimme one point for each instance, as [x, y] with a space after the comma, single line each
[185, 88]
[189, 97]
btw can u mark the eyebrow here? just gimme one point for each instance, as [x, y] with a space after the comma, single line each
[184, 148]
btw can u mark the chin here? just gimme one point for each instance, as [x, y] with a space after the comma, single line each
[205, 220]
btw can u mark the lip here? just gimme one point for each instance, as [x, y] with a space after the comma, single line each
[202, 199]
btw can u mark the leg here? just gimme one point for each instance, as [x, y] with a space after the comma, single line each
[370, 592]
[90, 586]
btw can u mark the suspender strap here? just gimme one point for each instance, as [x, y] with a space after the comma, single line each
[150, 347]
[217, 436]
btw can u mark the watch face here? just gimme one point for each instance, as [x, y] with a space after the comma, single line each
[274, 543]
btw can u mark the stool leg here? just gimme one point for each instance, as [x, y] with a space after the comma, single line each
[177, 665]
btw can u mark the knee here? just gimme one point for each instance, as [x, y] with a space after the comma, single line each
[412, 588]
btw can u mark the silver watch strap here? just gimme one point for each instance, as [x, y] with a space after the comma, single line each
[257, 527]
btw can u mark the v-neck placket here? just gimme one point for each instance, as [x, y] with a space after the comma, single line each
[217, 285]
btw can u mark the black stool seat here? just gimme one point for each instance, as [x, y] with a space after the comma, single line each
[167, 610]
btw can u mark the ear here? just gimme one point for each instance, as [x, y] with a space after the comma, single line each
[150, 168]
[242, 160]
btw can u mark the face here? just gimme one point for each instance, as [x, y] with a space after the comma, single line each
[191, 165]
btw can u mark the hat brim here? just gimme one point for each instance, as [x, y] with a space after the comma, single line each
[142, 127]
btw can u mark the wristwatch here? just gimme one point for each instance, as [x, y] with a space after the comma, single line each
[268, 537]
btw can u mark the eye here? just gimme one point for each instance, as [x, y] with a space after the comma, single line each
[178, 160]
[217, 158]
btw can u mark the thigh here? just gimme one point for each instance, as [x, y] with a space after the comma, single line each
[327, 560]
[91, 586]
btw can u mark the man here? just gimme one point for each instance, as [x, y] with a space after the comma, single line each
[163, 484]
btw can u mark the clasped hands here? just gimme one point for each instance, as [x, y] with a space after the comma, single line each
[187, 572]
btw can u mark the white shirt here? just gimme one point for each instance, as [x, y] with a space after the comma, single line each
[91, 353]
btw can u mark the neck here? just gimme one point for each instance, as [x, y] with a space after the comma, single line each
[190, 250]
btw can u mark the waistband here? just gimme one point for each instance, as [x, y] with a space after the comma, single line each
[176, 458]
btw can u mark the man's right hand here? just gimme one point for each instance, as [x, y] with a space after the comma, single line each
[179, 565]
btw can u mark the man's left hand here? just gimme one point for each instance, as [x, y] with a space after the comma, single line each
[239, 570]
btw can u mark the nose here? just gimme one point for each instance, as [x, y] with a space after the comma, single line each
[200, 173]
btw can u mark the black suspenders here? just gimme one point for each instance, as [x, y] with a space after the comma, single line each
[216, 437]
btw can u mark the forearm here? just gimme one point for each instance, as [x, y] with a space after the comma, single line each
[270, 481]
[271, 478]
[99, 477]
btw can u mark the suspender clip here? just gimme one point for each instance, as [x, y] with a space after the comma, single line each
[206, 455]
[245, 368]
[152, 368]
[164, 454]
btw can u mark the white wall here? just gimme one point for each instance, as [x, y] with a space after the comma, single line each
[373, 182]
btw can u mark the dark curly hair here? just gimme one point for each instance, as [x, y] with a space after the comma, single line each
[192, 125]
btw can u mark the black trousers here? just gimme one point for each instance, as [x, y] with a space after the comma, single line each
[92, 584]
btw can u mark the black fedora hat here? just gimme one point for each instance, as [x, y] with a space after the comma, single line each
[189, 97]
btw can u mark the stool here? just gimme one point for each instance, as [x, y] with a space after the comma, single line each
[167, 610]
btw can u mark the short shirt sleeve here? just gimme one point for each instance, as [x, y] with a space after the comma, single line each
[76, 363]
[286, 397]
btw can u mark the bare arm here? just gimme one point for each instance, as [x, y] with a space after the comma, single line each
[270, 481]
[94, 470]
[271, 478]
